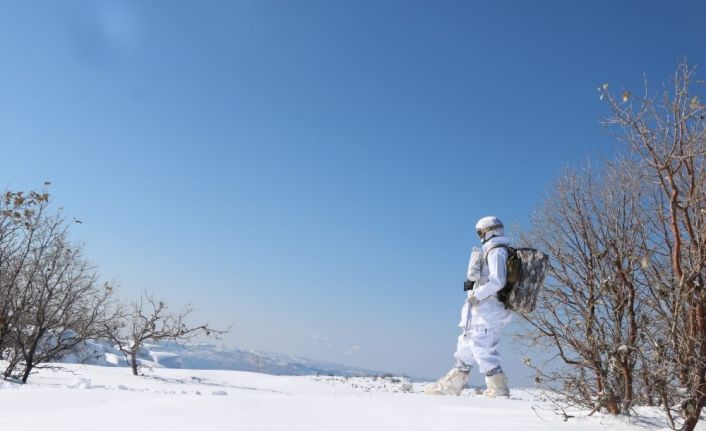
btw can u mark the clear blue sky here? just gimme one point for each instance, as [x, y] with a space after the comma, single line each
[311, 171]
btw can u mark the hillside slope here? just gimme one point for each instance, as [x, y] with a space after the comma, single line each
[213, 357]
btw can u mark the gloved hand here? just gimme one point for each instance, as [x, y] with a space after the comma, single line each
[472, 300]
[468, 285]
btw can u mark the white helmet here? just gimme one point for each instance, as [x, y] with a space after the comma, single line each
[488, 227]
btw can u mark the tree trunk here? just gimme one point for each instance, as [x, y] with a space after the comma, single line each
[29, 359]
[133, 361]
[29, 364]
[25, 374]
[693, 413]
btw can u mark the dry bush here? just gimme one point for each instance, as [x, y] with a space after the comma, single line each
[625, 303]
[149, 320]
[50, 299]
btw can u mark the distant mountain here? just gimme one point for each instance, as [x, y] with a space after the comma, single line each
[203, 356]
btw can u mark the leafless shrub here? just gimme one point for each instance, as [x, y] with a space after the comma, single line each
[625, 303]
[19, 219]
[589, 310]
[668, 136]
[50, 299]
[149, 320]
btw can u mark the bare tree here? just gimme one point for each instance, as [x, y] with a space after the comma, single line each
[667, 134]
[149, 320]
[51, 301]
[590, 226]
[20, 217]
[625, 304]
[50, 297]
[63, 306]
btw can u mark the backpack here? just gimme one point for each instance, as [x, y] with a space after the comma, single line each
[525, 270]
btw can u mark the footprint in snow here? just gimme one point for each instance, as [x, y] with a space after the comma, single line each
[80, 384]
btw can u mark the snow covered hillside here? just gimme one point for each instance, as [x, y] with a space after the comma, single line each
[213, 357]
[84, 397]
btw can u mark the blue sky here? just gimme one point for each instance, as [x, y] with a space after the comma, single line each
[311, 171]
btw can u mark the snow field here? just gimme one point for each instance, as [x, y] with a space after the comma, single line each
[83, 397]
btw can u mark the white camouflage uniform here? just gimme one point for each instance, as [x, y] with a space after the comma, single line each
[483, 321]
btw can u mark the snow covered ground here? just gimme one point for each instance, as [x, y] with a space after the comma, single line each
[89, 397]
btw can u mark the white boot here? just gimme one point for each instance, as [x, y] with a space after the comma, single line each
[497, 386]
[451, 384]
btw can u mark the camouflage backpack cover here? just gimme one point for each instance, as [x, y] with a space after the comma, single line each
[525, 269]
